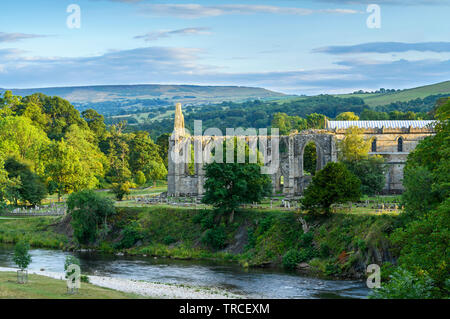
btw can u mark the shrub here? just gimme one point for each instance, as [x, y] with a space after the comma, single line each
[140, 178]
[169, 240]
[306, 240]
[121, 189]
[332, 269]
[88, 210]
[215, 237]
[130, 236]
[22, 257]
[324, 250]
[291, 259]
[405, 285]
[205, 218]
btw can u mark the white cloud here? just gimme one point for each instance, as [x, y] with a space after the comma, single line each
[183, 66]
[14, 37]
[152, 36]
[192, 11]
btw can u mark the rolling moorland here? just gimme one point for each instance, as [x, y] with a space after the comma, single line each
[110, 99]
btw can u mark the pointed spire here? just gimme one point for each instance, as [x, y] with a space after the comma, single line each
[179, 121]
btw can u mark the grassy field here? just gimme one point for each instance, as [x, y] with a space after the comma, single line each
[402, 96]
[375, 99]
[40, 287]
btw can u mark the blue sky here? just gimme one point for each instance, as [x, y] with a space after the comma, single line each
[292, 46]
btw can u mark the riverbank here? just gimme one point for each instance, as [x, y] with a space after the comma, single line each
[336, 246]
[100, 287]
[47, 287]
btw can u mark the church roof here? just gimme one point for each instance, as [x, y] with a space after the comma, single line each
[380, 124]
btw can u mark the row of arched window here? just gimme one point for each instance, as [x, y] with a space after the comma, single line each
[399, 145]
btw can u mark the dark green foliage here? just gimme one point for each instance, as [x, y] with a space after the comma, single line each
[333, 184]
[324, 250]
[306, 239]
[404, 284]
[22, 257]
[295, 256]
[371, 173]
[331, 269]
[419, 196]
[291, 259]
[428, 167]
[215, 237]
[130, 235]
[423, 245]
[30, 187]
[168, 240]
[310, 159]
[89, 210]
[228, 185]
[163, 142]
[205, 218]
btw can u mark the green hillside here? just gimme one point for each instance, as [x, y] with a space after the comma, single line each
[186, 94]
[375, 99]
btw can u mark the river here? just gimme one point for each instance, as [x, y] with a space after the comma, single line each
[264, 283]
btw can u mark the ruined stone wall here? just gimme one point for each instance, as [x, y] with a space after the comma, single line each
[289, 177]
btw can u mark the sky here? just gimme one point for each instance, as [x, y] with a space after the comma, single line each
[290, 46]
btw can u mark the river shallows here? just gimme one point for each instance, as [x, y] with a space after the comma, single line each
[265, 283]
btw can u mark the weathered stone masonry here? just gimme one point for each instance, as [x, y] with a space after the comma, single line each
[393, 140]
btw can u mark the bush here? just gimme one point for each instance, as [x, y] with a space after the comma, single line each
[140, 178]
[306, 240]
[215, 237]
[169, 240]
[130, 236]
[88, 210]
[121, 189]
[291, 259]
[22, 257]
[205, 218]
[405, 285]
[332, 269]
[324, 250]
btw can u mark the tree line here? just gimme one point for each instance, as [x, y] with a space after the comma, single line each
[48, 147]
[306, 112]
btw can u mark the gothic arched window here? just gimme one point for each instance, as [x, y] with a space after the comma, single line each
[400, 144]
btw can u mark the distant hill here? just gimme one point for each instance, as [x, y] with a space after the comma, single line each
[378, 99]
[185, 94]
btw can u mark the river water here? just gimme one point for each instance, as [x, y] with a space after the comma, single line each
[264, 283]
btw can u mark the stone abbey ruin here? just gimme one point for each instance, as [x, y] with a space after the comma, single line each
[391, 139]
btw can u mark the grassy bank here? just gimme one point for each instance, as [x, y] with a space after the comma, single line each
[38, 231]
[340, 245]
[40, 287]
